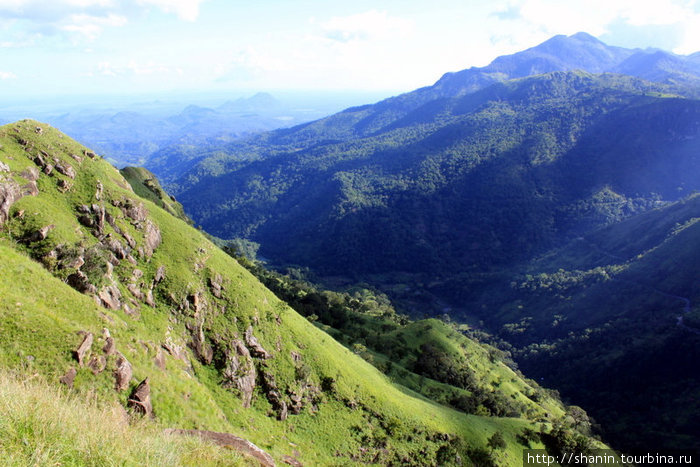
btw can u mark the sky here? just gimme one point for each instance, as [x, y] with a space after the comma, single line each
[133, 47]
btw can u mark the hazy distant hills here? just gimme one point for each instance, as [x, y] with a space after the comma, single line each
[129, 134]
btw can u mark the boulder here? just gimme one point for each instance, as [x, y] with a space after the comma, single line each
[97, 364]
[84, 348]
[69, 377]
[41, 234]
[110, 297]
[110, 348]
[65, 169]
[140, 399]
[4, 167]
[122, 373]
[152, 238]
[269, 386]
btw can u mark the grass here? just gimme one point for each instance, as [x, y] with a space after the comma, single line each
[363, 418]
[43, 425]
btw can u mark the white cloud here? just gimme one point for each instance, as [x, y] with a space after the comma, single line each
[134, 68]
[187, 10]
[370, 25]
[7, 75]
[91, 26]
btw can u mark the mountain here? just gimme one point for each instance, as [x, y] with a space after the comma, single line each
[625, 297]
[136, 308]
[468, 183]
[449, 197]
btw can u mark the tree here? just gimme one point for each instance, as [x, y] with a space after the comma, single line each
[496, 441]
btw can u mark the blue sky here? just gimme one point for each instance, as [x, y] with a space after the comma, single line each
[73, 47]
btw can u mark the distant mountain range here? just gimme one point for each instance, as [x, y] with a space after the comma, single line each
[443, 194]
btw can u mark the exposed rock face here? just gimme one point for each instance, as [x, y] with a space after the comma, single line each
[202, 350]
[98, 190]
[136, 212]
[80, 282]
[4, 167]
[230, 441]
[84, 348]
[240, 371]
[110, 297]
[215, 285]
[140, 399]
[256, 349]
[151, 238]
[31, 174]
[273, 395]
[69, 377]
[160, 275]
[159, 359]
[122, 373]
[9, 193]
[30, 189]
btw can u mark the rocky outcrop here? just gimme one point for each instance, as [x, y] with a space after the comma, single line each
[269, 386]
[202, 350]
[110, 297]
[122, 373]
[10, 192]
[40, 234]
[140, 399]
[160, 275]
[80, 282]
[240, 371]
[84, 348]
[65, 169]
[256, 349]
[4, 167]
[152, 238]
[215, 285]
[229, 441]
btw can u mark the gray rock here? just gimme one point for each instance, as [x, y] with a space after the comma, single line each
[65, 169]
[152, 238]
[84, 348]
[111, 297]
[97, 364]
[240, 371]
[4, 167]
[122, 373]
[256, 349]
[9, 193]
[80, 282]
[31, 174]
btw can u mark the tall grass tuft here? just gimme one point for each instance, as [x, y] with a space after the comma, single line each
[44, 425]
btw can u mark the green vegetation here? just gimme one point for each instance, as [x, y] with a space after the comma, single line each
[205, 333]
[44, 425]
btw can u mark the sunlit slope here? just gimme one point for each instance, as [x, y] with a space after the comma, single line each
[206, 334]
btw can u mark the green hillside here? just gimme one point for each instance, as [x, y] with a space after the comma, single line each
[467, 183]
[625, 297]
[102, 290]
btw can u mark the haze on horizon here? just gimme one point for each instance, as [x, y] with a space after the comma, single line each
[139, 47]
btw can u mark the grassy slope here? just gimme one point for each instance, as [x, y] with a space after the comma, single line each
[39, 326]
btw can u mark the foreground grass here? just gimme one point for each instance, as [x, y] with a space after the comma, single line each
[41, 424]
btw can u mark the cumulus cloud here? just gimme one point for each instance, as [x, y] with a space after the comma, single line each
[7, 75]
[370, 25]
[187, 10]
[88, 18]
